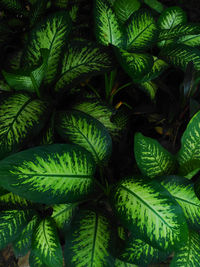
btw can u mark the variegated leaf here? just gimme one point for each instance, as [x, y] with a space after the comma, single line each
[35, 260]
[13, 201]
[89, 241]
[21, 117]
[147, 209]
[190, 40]
[107, 28]
[150, 88]
[136, 251]
[125, 8]
[82, 129]
[189, 153]
[172, 17]
[136, 65]
[189, 254]
[12, 223]
[51, 33]
[63, 214]
[49, 174]
[22, 244]
[80, 60]
[183, 192]
[152, 159]
[46, 244]
[141, 31]
[180, 55]
[120, 263]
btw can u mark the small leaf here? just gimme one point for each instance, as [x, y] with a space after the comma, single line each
[172, 17]
[136, 251]
[180, 55]
[189, 153]
[134, 64]
[190, 40]
[46, 244]
[49, 174]
[148, 210]
[12, 223]
[125, 8]
[89, 241]
[20, 118]
[141, 31]
[152, 159]
[189, 254]
[82, 129]
[82, 60]
[107, 28]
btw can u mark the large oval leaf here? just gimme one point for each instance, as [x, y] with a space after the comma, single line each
[147, 210]
[134, 64]
[189, 254]
[189, 154]
[125, 8]
[80, 61]
[89, 241]
[141, 31]
[50, 33]
[136, 251]
[152, 159]
[107, 28]
[49, 174]
[183, 192]
[84, 130]
[46, 244]
[172, 17]
[12, 223]
[20, 118]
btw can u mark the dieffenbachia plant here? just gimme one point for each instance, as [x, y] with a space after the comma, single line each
[59, 200]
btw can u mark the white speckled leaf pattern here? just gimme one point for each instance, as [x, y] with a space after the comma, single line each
[190, 40]
[125, 8]
[107, 28]
[147, 209]
[172, 17]
[80, 60]
[49, 174]
[20, 118]
[141, 31]
[183, 192]
[12, 223]
[88, 242]
[51, 33]
[189, 254]
[152, 159]
[189, 154]
[82, 129]
[46, 244]
[13, 201]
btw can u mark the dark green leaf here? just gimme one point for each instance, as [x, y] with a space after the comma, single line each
[125, 8]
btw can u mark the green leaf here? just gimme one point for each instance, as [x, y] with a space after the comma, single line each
[107, 28]
[141, 31]
[37, 11]
[28, 80]
[119, 263]
[35, 260]
[180, 55]
[82, 60]
[172, 17]
[89, 241]
[150, 88]
[136, 65]
[136, 251]
[22, 244]
[49, 174]
[189, 254]
[104, 113]
[12, 223]
[60, 3]
[190, 40]
[63, 214]
[51, 33]
[15, 6]
[154, 4]
[183, 192]
[46, 244]
[20, 118]
[13, 201]
[4, 86]
[152, 159]
[125, 8]
[82, 129]
[148, 210]
[189, 153]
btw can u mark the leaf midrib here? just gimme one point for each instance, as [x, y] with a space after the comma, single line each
[94, 239]
[55, 175]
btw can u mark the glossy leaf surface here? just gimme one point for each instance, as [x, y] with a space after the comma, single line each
[49, 174]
